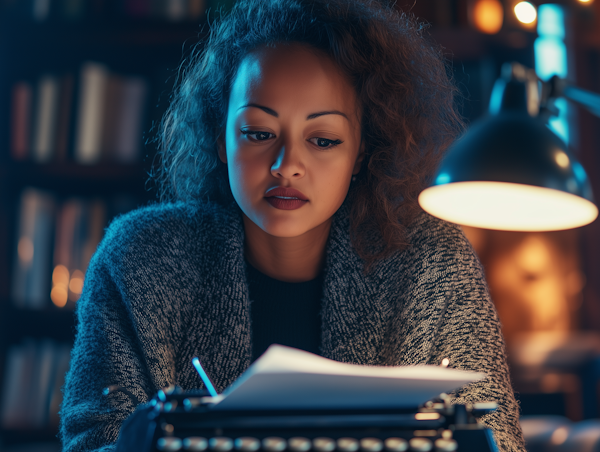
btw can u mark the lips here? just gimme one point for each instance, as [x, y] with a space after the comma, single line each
[285, 193]
[285, 198]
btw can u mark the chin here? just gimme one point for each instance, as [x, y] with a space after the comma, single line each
[284, 229]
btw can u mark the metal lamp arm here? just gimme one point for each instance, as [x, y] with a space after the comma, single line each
[584, 98]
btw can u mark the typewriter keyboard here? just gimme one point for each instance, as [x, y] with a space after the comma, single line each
[301, 444]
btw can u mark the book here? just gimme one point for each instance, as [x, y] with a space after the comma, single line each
[92, 93]
[46, 112]
[64, 116]
[11, 395]
[22, 98]
[30, 285]
[128, 131]
[288, 378]
[18, 385]
[34, 375]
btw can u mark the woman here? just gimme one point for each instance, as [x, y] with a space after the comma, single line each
[293, 151]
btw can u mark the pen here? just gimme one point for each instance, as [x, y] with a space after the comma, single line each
[204, 377]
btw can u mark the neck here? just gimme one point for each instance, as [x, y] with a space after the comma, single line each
[291, 259]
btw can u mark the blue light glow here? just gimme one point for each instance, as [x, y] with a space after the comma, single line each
[443, 178]
[551, 59]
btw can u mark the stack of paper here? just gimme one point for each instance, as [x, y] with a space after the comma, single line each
[287, 378]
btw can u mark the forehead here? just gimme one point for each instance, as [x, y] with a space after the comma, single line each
[292, 76]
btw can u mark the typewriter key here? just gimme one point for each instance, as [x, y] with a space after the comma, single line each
[396, 445]
[445, 445]
[274, 444]
[220, 444]
[420, 444]
[371, 444]
[196, 443]
[247, 444]
[299, 444]
[347, 444]
[169, 443]
[323, 444]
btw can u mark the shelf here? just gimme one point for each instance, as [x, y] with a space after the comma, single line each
[52, 322]
[70, 176]
[24, 436]
[121, 31]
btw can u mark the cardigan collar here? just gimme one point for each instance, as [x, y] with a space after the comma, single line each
[354, 305]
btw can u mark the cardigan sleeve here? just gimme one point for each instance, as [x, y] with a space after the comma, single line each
[469, 335]
[106, 352]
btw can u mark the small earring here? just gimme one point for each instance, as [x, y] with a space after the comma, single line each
[353, 178]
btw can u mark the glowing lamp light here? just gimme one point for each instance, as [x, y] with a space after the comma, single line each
[509, 171]
[506, 206]
[525, 12]
[488, 16]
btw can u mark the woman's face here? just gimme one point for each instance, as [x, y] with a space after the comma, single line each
[292, 139]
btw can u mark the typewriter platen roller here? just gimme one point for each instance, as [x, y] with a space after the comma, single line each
[178, 421]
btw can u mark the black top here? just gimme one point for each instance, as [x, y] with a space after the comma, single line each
[284, 313]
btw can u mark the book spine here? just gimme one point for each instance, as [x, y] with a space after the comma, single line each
[176, 10]
[129, 129]
[12, 392]
[40, 274]
[45, 119]
[22, 97]
[90, 113]
[196, 9]
[24, 252]
[64, 116]
[41, 10]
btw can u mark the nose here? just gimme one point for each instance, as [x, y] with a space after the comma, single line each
[288, 163]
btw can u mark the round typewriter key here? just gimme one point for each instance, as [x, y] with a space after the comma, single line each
[196, 443]
[220, 444]
[445, 445]
[299, 444]
[420, 444]
[323, 444]
[347, 444]
[371, 444]
[396, 445]
[247, 444]
[169, 443]
[274, 444]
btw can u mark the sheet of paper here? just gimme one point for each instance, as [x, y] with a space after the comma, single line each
[287, 378]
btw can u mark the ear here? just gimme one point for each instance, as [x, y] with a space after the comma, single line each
[222, 149]
[359, 158]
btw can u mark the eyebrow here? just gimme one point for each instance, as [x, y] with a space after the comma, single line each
[272, 112]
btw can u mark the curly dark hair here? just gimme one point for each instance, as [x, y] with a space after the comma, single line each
[406, 96]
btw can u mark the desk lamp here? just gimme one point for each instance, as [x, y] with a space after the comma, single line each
[509, 171]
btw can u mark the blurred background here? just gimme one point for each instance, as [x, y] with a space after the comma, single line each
[83, 84]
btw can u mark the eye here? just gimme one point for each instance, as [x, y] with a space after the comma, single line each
[324, 143]
[257, 135]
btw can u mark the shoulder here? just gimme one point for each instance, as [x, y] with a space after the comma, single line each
[169, 227]
[437, 241]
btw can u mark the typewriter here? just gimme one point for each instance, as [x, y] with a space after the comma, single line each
[181, 421]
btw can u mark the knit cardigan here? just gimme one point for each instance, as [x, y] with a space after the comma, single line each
[168, 282]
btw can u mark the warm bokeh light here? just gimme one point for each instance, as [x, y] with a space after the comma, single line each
[60, 276]
[525, 12]
[59, 296]
[562, 159]
[585, 1]
[76, 284]
[508, 207]
[25, 250]
[488, 16]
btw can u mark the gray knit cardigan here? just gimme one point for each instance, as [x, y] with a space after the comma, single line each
[168, 283]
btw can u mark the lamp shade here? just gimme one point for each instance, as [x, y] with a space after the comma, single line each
[509, 171]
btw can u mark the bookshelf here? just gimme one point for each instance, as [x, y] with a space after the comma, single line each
[145, 46]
